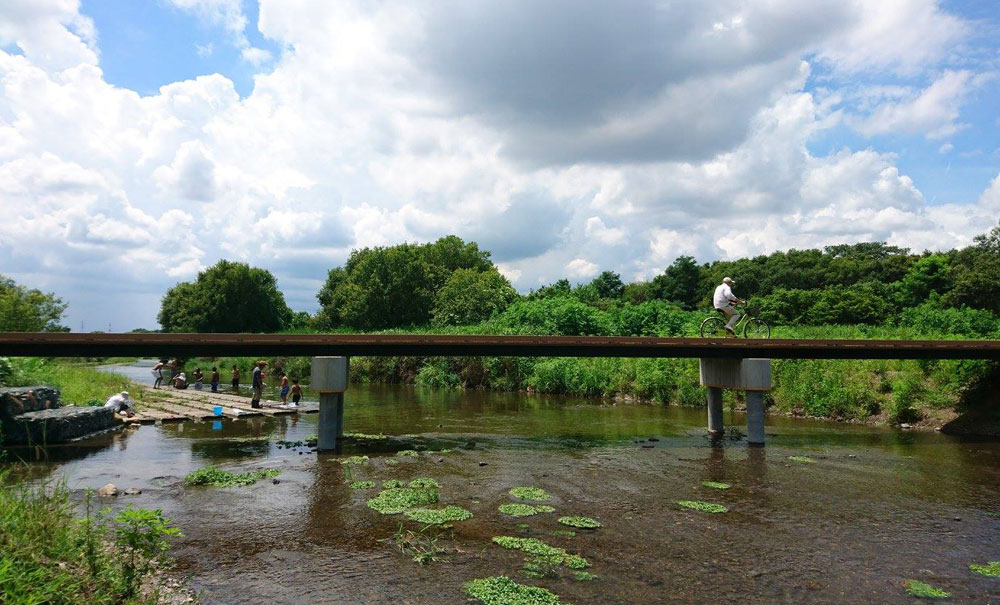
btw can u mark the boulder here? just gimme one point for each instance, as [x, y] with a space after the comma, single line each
[15, 401]
[108, 491]
[56, 425]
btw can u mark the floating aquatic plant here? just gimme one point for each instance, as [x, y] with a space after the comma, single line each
[392, 483]
[216, 477]
[923, 590]
[563, 532]
[524, 510]
[355, 460]
[584, 576]
[529, 493]
[716, 485]
[581, 522]
[501, 590]
[424, 482]
[365, 436]
[397, 499]
[363, 485]
[391, 461]
[705, 507]
[990, 570]
[542, 552]
[407, 453]
[805, 459]
[430, 516]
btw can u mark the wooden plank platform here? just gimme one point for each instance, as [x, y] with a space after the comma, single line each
[211, 399]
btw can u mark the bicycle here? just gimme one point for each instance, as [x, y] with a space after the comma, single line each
[751, 325]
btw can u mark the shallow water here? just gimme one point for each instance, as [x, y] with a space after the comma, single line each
[876, 507]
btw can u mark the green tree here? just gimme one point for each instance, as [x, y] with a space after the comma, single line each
[561, 287]
[608, 285]
[927, 276]
[227, 297]
[25, 310]
[681, 283]
[471, 296]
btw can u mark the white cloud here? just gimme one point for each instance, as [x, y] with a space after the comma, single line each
[228, 14]
[946, 148]
[581, 268]
[621, 151]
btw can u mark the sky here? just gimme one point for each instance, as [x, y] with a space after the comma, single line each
[143, 140]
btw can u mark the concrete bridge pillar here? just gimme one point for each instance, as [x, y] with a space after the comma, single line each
[330, 379]
[752, 376]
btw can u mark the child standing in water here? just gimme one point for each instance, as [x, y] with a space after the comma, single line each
[158, 374]
[296, 393]
[236, 379]
[215, 379]
[284, 388]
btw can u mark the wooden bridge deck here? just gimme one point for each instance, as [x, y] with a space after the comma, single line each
[191, 345]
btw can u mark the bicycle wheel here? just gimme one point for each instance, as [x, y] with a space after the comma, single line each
[756, 328]
[713, 327]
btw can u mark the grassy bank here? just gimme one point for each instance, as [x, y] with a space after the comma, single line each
[48, 555]
[79, 383]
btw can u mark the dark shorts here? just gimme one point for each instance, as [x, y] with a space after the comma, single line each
[215, 385]
[236, 382]
[284, 392]
[296, 397]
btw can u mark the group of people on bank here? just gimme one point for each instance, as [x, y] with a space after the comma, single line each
[179, 380]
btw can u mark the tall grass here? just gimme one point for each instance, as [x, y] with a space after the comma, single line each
[79, 383]
[49, 556]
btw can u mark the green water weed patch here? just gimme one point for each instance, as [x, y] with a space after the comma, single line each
[530, 493]
[355, 460]
[424, 482]
[430, 516]
[802, 459]
[923, 590]
[541, 552]
[524, 510]
[584, 576]
[395, 500]
[362, 485]
[386, 484]
[501, 590]
[580, 522]
[705, 507]
[715, 485]
[566, 533]
[217, 477]
[990, 570]
[391, 461]
[407, 453]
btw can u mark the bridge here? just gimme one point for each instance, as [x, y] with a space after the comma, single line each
[742, 364]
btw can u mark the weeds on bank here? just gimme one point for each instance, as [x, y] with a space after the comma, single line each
[923, 590]
[705, 507]
[524, 510]
[216, 477]
[47, 556]
[501, 590]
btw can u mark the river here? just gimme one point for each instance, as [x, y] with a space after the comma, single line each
[867, 509]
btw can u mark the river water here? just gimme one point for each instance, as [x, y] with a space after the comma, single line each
[874, 507]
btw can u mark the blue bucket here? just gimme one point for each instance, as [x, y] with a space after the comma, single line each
[218, 410]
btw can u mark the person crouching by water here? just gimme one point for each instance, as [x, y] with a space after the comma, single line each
[296, 392]
[158, 373]
[215, 379]
[120, 403]
[198, 377]
[236, 379]
[725, 301]
[258, 384]
[180, 381]
[284, 388]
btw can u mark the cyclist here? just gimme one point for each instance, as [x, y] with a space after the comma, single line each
[725, 302]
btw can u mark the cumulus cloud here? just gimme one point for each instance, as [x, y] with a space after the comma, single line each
[228, 14]
[566, 138]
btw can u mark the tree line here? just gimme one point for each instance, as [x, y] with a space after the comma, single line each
[451, 282]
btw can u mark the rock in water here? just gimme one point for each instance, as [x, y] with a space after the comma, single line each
[132, 491]
[108, 491]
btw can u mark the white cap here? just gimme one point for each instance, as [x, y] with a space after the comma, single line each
[125, 394]
[728, 280]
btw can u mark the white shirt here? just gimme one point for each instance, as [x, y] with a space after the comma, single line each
[117, 402]
[723, 296]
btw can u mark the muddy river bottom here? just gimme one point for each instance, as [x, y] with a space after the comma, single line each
[867, 510]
